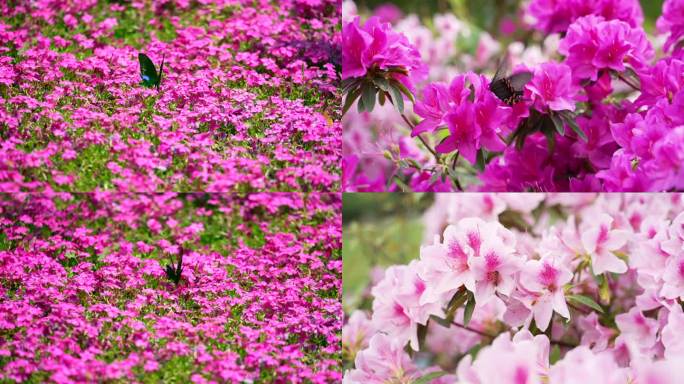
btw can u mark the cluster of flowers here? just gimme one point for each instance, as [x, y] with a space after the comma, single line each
[601, 110]
[535, 289]
[247, 98]
[85, 297]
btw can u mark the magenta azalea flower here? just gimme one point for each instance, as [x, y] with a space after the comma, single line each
[376, 46]
[476, 118]
[432, 108]
[592, 44]
[464, 133]
[672, 22]
[555, 16]
[552, 87]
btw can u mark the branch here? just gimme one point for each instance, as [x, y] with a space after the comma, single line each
[624, 79]
[485, 334]
[435, 154]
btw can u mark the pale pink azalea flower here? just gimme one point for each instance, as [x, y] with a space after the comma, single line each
[388, 313]
[522, 360]
[544, 279]
[357, 332]
[486, 206]
[562, 240]
[647, 254]
[384, 361]
[397, 308]
[673, 277]
[446, 267]
[668, 371]
[581, 365]
[671, 335]
[494, 270]
[675, 245]
[450, 265]
[600, 240]
[637, 328]
[594, 335]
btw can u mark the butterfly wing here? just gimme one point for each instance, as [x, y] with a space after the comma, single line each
[501, 89]
[519, 80]
[169, 272]
[501, 69]
[161, 71]
[148, 73]
[179, 267]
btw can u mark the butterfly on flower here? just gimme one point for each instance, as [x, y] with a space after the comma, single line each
[509, 88]
[174, 272]
[148, 72]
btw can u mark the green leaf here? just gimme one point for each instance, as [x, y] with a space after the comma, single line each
[399, 182]
[397, 99]
[435, 176]
[426, 379]
[382, 98]
[470, 307]
[351, 98]
[422, 332]
[368, 97]
[382, 83]
[456, 302]
[550, 139]
[558, 123]
[480, 161]
[573, 124]
[351, 84]
[443, 322]
[397, 84]
[585, 300]
[475, 350]
[555, 354]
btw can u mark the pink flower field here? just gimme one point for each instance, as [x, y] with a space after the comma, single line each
[85, 297]
[247, 99]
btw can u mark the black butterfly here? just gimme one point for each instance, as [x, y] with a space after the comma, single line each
[148, 72]
[174, 273]
[509, 89]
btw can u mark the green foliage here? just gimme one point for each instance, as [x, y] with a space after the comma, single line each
[585, 300]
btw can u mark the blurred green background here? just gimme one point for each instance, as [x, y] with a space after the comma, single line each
[379, 229]
[483, 12]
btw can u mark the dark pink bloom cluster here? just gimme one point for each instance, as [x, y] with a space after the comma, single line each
[375, 46]
[246, 99]
[85, 297]
[555, 16]
[577, 288]
[473, 114]
[552, 88]
[596, 105]
[593, 43]
[652, 147]
[672, 22]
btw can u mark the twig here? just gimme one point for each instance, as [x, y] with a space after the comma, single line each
[435, 154]
[481, 333]
[453, 166]
[485, 334]
[634, 87]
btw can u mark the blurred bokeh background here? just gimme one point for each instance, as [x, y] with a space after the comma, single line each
[380, 229]
[483, 13]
